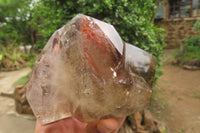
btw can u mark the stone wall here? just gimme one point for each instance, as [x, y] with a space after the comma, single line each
[177, 31]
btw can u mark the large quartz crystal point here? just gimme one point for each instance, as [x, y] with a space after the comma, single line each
[88, 72]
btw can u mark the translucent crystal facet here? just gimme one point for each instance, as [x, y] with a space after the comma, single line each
[88, 72]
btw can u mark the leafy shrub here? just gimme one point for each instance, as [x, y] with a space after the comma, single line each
[193, 41]
[14, 22]
[190, 53]
[132, 19]
[11, 58]
[32, 60]
[197, 25]
[191, 49]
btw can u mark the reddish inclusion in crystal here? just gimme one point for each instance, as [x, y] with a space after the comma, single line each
[96, 43]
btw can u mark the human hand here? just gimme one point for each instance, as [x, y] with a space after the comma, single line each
[111, 125]
[72, 125]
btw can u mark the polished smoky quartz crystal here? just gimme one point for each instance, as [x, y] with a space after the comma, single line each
[88, 72]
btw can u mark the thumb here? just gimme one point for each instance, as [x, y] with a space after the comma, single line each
[108, 125]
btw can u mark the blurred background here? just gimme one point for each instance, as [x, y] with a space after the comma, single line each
[168, 29]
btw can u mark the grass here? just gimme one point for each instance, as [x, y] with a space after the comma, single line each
[194, 92]
[1, 56]
[130, 117]
[182, 129]
[197, 94]
[159, 105]
[22, 80]
[189, 53]
[154, 93]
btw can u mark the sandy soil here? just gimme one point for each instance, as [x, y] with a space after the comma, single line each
[10, 121]
[179, 98]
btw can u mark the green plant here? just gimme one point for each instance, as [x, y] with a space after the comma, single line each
[189, 54]
[130, 117]
[159, 103]
[197, 25]
[32, 61]
[12, 59]
[196, 94]
[191, 49]
[22, 80]
[154, 93]
[1, 56]
[193, 41]
[182, 129]
[1, 53]
[14, 22]
[11, 53]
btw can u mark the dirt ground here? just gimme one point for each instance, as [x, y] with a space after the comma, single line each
[178, 98]
[10, 121]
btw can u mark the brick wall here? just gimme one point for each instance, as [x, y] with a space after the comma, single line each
[177, 30]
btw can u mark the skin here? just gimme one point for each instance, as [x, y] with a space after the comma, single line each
[72, 125]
